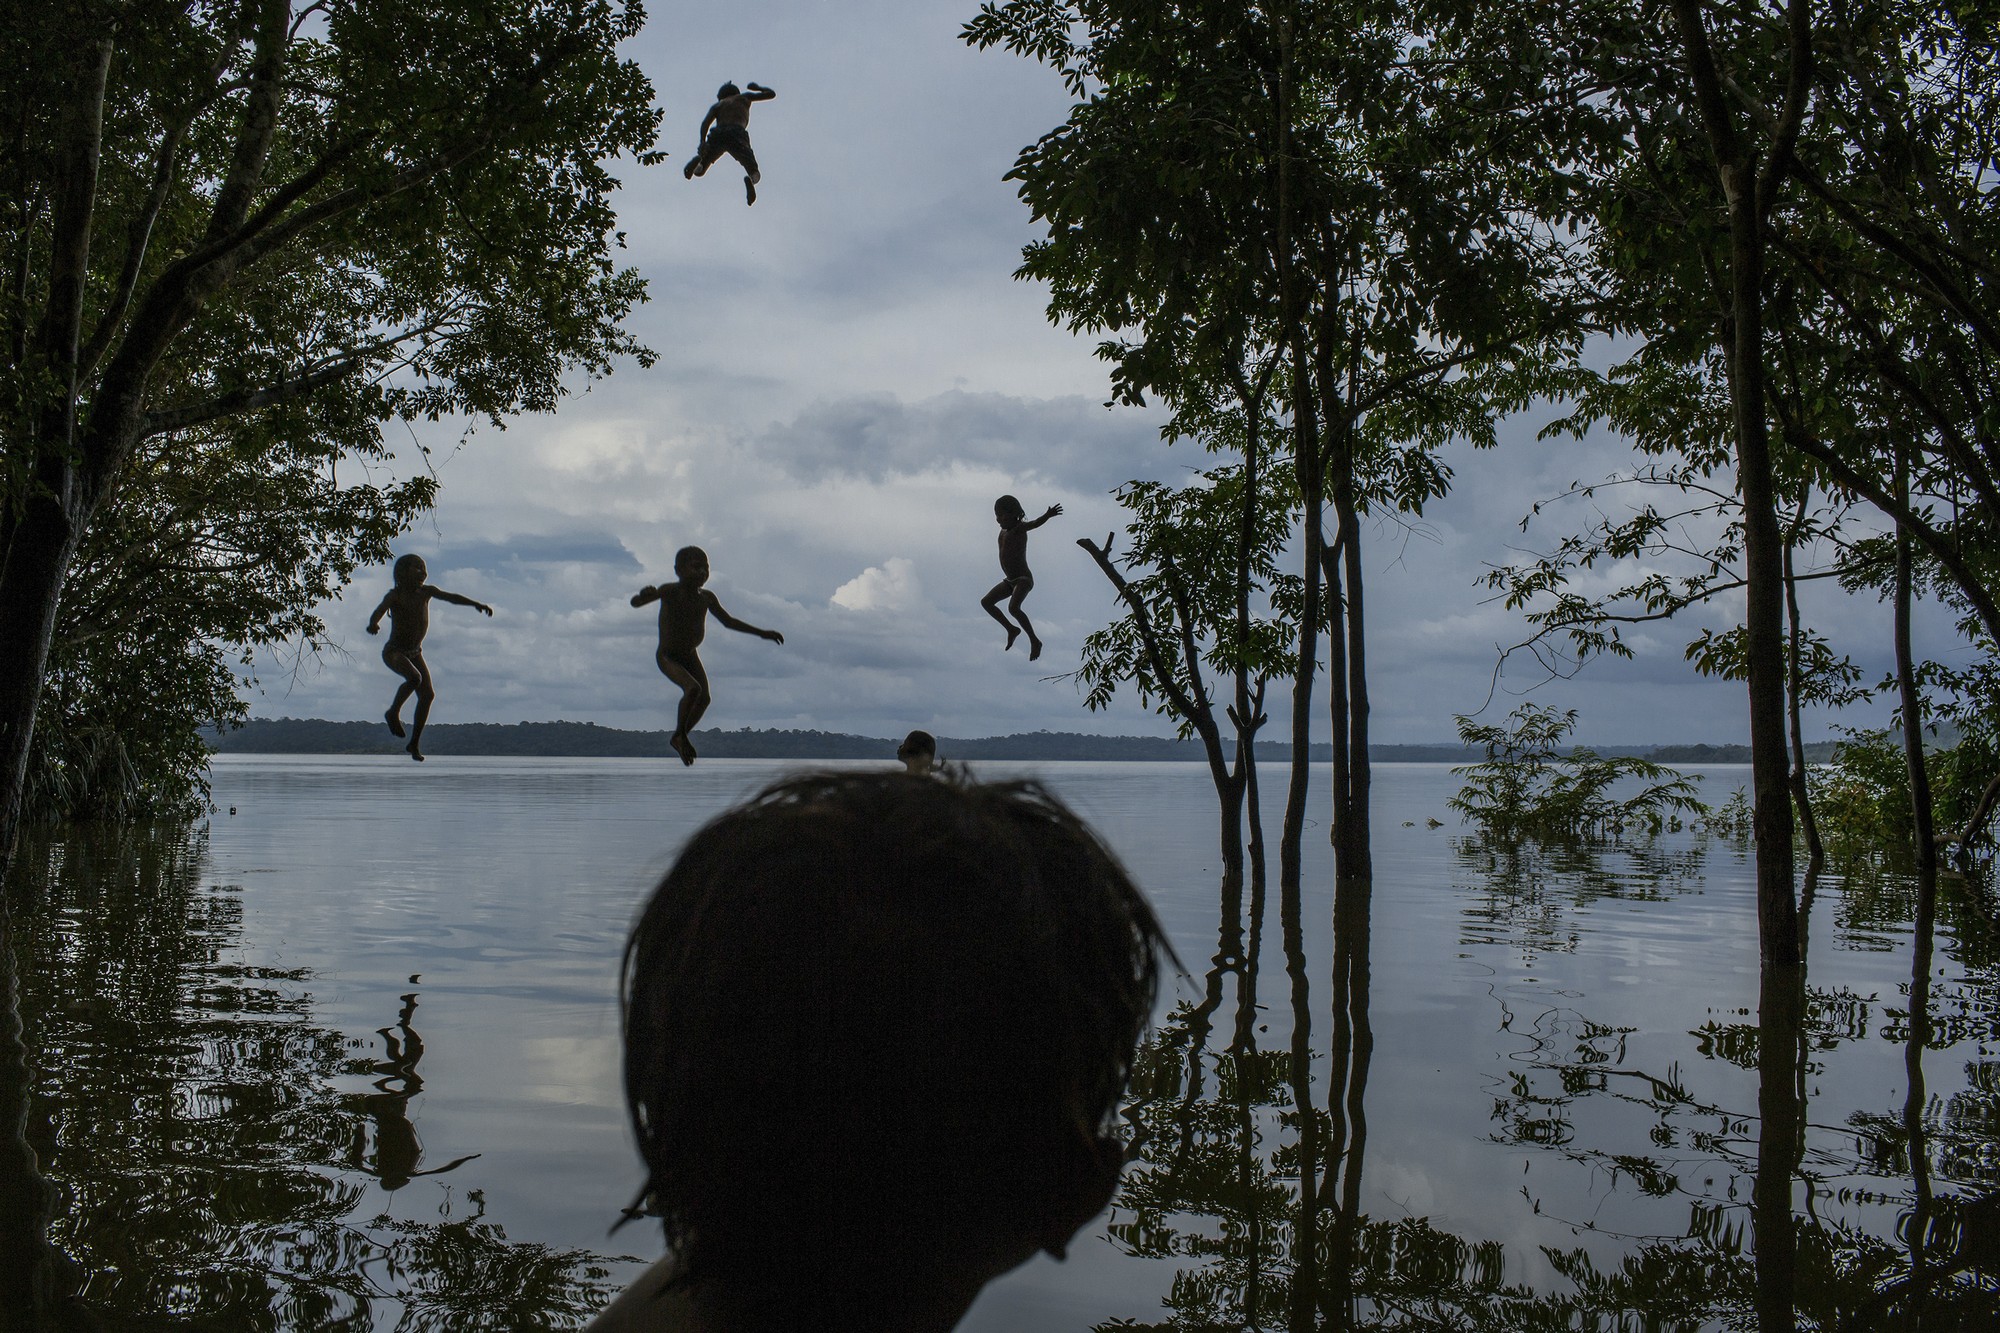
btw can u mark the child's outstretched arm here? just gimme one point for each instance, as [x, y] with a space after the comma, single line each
[646, 594]
[740, 626]
[757, 92]
[375, 619]
[1053, 510]
[462, 601]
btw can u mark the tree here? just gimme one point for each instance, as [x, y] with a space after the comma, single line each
[1287, 183]
[362, 208]
[217, 543]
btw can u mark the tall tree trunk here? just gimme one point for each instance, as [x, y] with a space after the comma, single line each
[1794, 688]
[1302, 1315]
[1926, 867]
[1347, 1088]
[1352, 849]
[1748, 193]
[45, 542]
[43, 538]
[1780, 1134]
[1912, 710]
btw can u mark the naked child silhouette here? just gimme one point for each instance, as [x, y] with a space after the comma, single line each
[408, 606]
[684, 608]
[726, 129]
[1016, 578]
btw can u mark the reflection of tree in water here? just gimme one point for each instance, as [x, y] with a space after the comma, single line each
[198, 1158]
[1248, 1161]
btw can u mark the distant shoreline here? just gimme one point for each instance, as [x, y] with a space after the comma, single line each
[587, 740]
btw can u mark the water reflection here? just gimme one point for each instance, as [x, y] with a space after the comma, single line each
[179, 1134]
[1795, 1206]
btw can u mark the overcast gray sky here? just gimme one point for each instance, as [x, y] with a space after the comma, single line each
[848, 376]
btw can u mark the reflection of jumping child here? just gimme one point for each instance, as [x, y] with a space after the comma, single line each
[1016, 580]
[408, 606]
[730, 117]
[684, 608]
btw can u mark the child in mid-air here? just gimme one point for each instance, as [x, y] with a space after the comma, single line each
[408, 606]
[876, 1034]
[730, 117]
[1016, 580]
[919, 754]
[684, 608]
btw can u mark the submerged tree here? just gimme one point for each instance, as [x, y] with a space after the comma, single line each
[1291, 180]
[361, 209]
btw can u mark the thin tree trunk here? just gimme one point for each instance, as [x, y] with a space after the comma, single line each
[1795, 687]
[45, 542]
[1780, 1015]
[1920, 961]
[1302, 1314]
[44, 535]
[1353, 855]
[1748, 194]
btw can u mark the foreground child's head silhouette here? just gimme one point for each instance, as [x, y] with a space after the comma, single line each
[876, 1031]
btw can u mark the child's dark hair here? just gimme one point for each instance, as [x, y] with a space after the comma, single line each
[727, 90]
[1007, 504]
[687, 553]
[867, 1018]
[404, 564]
[917, 742]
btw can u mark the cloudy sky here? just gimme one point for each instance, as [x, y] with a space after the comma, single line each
[848, 376]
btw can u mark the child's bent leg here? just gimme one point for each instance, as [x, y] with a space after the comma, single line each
[991, 601]
[751, 176]
[426, 693]
[1021, 587]
[693, 680]
[398, 661]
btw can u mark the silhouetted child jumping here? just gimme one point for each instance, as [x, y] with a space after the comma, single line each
[730, 119]
[408, 606]
[876, 1036]
[684, 608]
[1017, 579]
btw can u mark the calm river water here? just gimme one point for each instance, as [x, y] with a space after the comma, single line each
[349, 1059]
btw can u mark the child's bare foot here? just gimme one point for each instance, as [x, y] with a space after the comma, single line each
[1012, 634]
[749, 190]
[395, 722]
[415, 753]
[1034, 647]
[683, 747]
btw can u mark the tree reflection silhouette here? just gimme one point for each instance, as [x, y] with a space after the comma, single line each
[202, 1164]
[1250, 1163]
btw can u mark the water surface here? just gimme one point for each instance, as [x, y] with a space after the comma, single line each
[348, 1059]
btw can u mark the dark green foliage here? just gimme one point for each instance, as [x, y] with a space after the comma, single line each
[1532, 787]
[217, 544]
[238, 240]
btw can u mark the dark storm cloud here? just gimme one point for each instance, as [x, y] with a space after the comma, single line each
[515, 556]
[1069, 442]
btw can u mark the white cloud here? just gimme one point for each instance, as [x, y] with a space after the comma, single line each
[890, 586]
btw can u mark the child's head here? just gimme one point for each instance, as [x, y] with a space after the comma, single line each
[877, 1029]
[727, 90]
[918, 752]
[409, 571]
[691, 564]
[1008, 510]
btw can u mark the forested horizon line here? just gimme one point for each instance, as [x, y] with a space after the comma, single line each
[586, 740]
